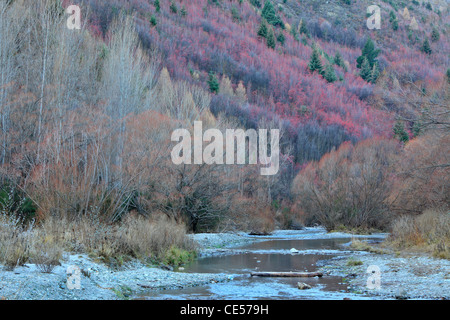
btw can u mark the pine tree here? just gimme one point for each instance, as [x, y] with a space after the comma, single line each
[400, 132]
[173, 7]
[426, 48]
[235, 14]
[366, 70]
[448, 75]
[271, 41]
[153, 21]
[339, 61]
[213, 83]
[241, 92]
[295, 34]
[225, 87]
[269, 13]
[281, 38]
[368, 52]
[395, 25]
[417, 128]
[315, 64]
[303, 29]
[393, 20]
[413, 25]
[435, 35]
[256, 3]
[330, 74]
[183, 11]
[374, 74]
[157, 5]
[262, 31]
[406, 14]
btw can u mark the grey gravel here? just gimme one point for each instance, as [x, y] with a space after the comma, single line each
[99, 282]
[401, 277]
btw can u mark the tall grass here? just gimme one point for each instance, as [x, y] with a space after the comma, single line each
[151, 240]
[15, 241]
[429, 232]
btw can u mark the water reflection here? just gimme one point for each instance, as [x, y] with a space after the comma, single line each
[270, 255]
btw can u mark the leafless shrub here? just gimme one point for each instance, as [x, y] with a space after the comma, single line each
[45, 255]
[15, 240]
[429, 231]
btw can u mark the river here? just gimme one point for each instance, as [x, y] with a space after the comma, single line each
[272, 253]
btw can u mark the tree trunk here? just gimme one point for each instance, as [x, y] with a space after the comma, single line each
[287, 274]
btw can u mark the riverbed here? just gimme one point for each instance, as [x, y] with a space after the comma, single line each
[283, 251]
[223, 269]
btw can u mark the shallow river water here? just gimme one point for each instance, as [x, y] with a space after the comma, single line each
[270, 254]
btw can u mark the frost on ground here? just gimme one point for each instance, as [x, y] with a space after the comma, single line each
[406, 277]
[411, 277]
[99, 282]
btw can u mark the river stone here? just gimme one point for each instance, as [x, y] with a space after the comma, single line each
[303, 286]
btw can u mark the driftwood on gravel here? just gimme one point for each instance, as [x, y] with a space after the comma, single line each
[287, 274]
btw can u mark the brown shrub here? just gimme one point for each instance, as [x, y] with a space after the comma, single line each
[348, 187]
[15, 241]
[429, 231]
[422, 176]
[251, 215]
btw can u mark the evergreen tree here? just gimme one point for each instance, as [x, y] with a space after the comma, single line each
[157, 5]
[395, 25]
[295, 34]
[235, 14]
[339, 61]
[448, 75]
[173, 7]
[315, 64]
[213, 83]
[368, 52]
[417, 128]
[153, 21]
[183, 11]
[271, 41]
[366, 70]
[256, 3]
[330, 75]
[303, 29]
[375, 73]
[281, 38]
[412, 38]
[426, 48]
[435, 35]
[400, 132]
[269, 13]
[393, 20]
[262, 31]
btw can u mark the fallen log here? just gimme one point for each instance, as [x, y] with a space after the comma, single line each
[287, 274]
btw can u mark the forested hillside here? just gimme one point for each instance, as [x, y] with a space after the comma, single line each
[87, 115]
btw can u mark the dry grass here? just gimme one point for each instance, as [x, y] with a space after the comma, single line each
[135, 237]
[353, 262]
[364, 246]
[429, 232]
[15, 242]
[154, 237]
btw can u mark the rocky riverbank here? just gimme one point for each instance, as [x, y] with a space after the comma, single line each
[401, 276]
[99, 282]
